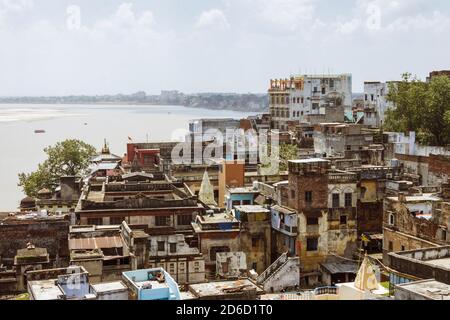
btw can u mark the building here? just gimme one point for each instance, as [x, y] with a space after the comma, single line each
[346, 141]
[327, 215]
[110, 291]
[284, 231]
[419, 264]
[41, 230]
[242, 289]
[216, 233]
[140, 199]
[151, 284]
[240, 196]
[298, 97]
[107, 251]
[231, 265]
[375, 103]
[231, 175]
[171, 252]
[423, 290]
[282, 275]
[255, 235]
[62, 286]
[412, 222]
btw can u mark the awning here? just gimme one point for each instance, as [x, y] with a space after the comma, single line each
[95, 243]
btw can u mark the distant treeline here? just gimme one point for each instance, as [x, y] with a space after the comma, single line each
[217, 101]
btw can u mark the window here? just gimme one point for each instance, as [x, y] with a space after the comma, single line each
[391, 219]
[308, 197]
[366, 98]
[391, 246]
[444, 235]
[184, 219]
[323, 90]
[214, 250]
[336, 200]
[254, 266]
[312, 244]
[292, 193]
[343, 220]
[95, 221]
[162, 221]
[116, 220]
[348, 200]
[255, 242]
[312, 221]
[161, 246]
[372, 97]
[403, 248]
[349, 148]
[173, 247]
[246, 202]
[236, 203]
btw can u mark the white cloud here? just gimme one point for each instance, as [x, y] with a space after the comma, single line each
[213, 18]
[16, 5]
[288, 15]
[125, 18]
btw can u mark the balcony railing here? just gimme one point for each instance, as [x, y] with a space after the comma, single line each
[326, 291]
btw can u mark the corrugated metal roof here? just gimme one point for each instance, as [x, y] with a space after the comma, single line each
[95, 243]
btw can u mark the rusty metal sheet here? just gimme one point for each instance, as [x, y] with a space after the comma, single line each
[95, 243]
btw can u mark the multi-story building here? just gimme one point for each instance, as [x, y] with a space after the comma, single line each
[171, 252]
[300, 96]
[375, 103]
[326, 204]
[413, 222]
[140, 199]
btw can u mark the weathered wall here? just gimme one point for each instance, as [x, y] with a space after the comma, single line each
[52, 235]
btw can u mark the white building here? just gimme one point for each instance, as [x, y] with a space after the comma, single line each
[296, 98]
[375, 102]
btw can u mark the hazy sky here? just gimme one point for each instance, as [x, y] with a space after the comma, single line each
[117, 46]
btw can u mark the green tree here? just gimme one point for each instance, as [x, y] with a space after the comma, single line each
[67, 158]
[287, 152]
[421, 107]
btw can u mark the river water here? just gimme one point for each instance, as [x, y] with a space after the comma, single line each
[21, 149]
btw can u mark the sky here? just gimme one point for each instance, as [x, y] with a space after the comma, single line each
[60, 47]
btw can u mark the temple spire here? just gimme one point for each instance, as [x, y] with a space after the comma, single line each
[366, 278]
[105, 149]
[206, 194]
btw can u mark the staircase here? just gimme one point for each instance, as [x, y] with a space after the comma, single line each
[273, 269]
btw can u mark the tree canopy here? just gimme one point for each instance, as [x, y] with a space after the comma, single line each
[66, 158]
[421, 107]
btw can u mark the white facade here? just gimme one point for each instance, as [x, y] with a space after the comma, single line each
[300, 96]
[375, 98]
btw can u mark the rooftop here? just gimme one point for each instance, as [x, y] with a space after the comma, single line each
[109, 287]
[251, 209]
[45, 290]
[224, 288]
[306, 161]
[429, 289]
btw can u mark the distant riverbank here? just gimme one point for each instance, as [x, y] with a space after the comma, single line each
[212, 101]
[22, 149]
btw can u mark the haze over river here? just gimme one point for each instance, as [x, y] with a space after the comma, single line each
[22, 149]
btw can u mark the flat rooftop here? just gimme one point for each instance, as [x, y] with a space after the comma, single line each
[223, 288]
[311, 160]
[430, 289]
[251, 209]
[109, 287]
[421, 198]
[45, 290]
